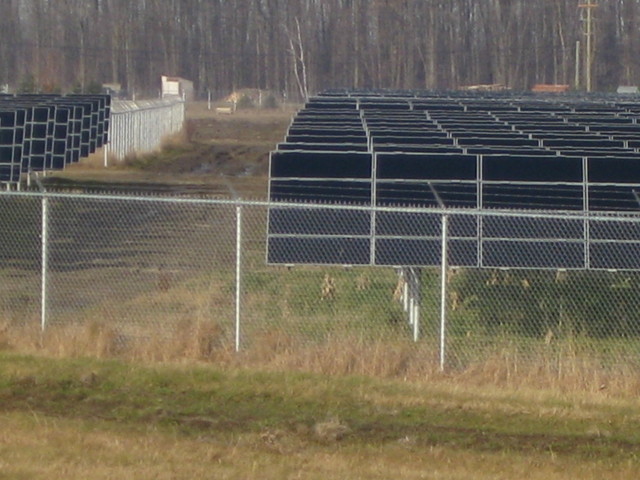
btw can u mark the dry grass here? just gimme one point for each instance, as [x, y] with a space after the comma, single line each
[37, 447]
[201, 340]
[548, 370]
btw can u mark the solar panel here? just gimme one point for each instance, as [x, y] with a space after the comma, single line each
[326, 147]
[556, 155]
[12, 124]
[55, 130]
[416, 147]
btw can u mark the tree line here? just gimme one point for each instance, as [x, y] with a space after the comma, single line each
[305, 46]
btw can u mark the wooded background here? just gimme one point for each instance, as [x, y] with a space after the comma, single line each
[224, 45]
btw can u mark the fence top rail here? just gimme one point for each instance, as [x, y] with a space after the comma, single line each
[604, 216]
[129, 106]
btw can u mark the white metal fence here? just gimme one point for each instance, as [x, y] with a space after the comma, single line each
[161, 268]
[142, 126]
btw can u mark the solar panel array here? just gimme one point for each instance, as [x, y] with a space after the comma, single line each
[556, 154]
[45, 132]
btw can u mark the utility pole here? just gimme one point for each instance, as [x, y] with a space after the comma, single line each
[577, 79]
[588, 30]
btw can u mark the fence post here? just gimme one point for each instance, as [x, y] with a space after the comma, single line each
[443, 289]
[105, 151]
[238, 292]
[416, 287]
[44, 234]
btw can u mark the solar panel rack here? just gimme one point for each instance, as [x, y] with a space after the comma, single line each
[562, 157]
[54, 131]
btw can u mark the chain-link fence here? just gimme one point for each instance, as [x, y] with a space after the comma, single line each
[191, 275]
[141, 127]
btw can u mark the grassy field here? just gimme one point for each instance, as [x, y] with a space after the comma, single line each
[88, 418]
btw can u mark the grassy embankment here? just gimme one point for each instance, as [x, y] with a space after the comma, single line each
[83, 418]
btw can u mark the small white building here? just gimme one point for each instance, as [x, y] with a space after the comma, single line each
[173, 87]
[628, 90]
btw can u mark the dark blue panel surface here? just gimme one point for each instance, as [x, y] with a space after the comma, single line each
[614, 230]
[314, 221]
[429, 224]
[344, 138]
[425, 252]
[303, 164]
[426, 167]
[537, 197]
[408, 224]
[612, 255]
[323, 191]
[614, 170]
[514, 254]
[510, 142]
[322, 251]
[410, 140]
[612, 198]
[463, 195]
[326, 147]
[524, 168]
[515, 227]
[409, 252]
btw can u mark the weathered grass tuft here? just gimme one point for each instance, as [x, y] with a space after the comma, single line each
[331, 430]
[4, 340]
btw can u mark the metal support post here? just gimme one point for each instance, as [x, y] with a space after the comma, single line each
[415, 296]
[45, 260]
[443, 289]
[238, 291]
[405, 290]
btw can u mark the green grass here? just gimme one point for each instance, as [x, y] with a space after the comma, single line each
[195, 400]
[87, 418]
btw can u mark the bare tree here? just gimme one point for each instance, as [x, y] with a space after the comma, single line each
[306, 46]
[297, 51]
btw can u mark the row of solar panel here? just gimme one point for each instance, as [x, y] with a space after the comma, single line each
[411, 146]
[341, 116]
[601, 127]
[390, 222]
[462, 253]
[553, 142]
[312, 236]
[475, 103]
[338, 131]
[43, 132]
[516, 180]
[607, 198]
[518, 166]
